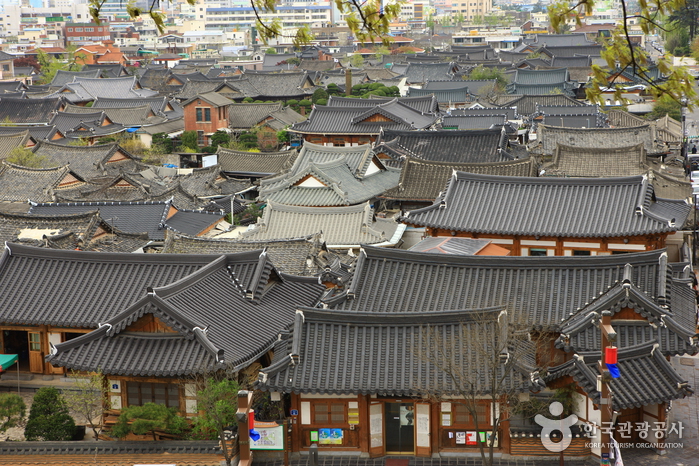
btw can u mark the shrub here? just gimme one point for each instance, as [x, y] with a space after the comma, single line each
[26, 158]
[149, 418]
[48, 417]
[12, 409]
[190, 140]
[319, 94]
[163, 142]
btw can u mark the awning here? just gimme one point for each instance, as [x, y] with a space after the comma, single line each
[6, 360]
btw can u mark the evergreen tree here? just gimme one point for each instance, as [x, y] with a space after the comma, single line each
[49, 419]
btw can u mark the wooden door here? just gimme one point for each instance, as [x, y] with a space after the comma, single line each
[423, 443]
[376, 443]
[54, 339]
[36, 356]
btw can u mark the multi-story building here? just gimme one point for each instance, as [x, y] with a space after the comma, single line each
[16, 18]
[244, 16]
[86, 33]
[471, 9]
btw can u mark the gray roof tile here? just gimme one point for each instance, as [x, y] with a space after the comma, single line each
[646, 377]
[20, 184]
[423, 180]
[568, 207]
[240, 163]
[341, 226]
[549, 137]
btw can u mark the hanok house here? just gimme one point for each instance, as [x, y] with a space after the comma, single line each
[206, 114]
[103, 311]
[361, 121]
[355, 365]
[556, 216]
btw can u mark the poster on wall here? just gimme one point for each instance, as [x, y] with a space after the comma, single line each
[471, 438]
[330, 436]
[461, 438]
[271, 436]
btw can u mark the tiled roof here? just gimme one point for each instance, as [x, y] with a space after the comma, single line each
[343, 176]
[549, 137]
[422, 72]
[647, 378]
[193, 222]
[242, 163]
[597, 162]
[63, 77]
[245, 116]
[131, 217]
[213, 98]
[478, 146]
[89, 162]
[81, 289]
[159, 105]
[443, 95]
[450, 245]
[20, 184]
[547, 289]
[28, 111]
[289, 255]
[77, 125]
[526, 104]
[358, 120]
[209, 333]
[423, 180]
[31, 229]
[674, 329]
[38, 133]
[568, 207]
[423, 104]
[524, 76]
[341, 226]
[330, 352]
[8, 142]
[509, 112]
[474, 121]
[592, 50]
[134, 116]
[563, 88]
[270, 85]
[558, 40]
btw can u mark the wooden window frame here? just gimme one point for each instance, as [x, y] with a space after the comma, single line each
[330, 412]
[203, 114]
[146, 397]
[471, 425]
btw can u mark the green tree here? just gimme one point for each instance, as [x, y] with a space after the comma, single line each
[357, 61]
[50, 65]
[619, 50]
[318, 94]
[25, 157]
[217, 399]
[12, 410]
[190, 140]
[381, 51]
[149, 419]
[271, 51]
[49, 419]
[88, 398]
[162, 141]
[482, 73]
[248, 140]
[665, 106]
[220, 138]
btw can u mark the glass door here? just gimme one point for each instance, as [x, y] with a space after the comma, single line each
[400, 428]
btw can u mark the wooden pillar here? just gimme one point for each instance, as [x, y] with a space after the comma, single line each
[363, 426]
[244, 402]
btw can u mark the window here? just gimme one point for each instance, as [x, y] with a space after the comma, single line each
[78, 29]
[329, 413]
[70, 29]
[34, 341]
[201, 140]
[537, 252]
[139, 393]
[463, 418]
[581, 252]
[203, 114]
[89, 29]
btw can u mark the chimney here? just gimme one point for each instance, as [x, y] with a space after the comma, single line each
[348, 82]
